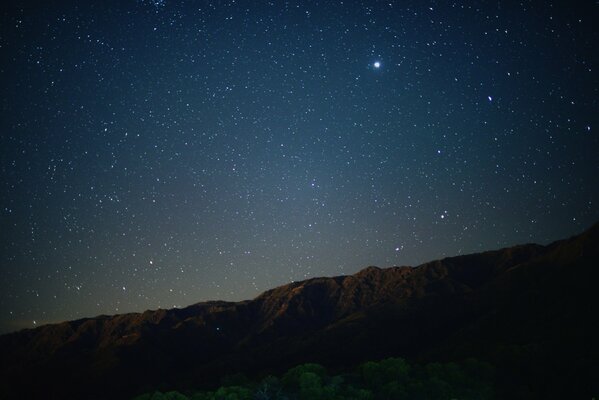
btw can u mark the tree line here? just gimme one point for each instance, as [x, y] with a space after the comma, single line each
[391, 378]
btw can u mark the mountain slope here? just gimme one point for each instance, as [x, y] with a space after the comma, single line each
[528, 309]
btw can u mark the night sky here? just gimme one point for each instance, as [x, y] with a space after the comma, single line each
[160, 153]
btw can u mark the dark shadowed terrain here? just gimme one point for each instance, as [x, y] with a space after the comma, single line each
[529, 310]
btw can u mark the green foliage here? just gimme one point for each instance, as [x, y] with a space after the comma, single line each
[310, 386]
[291, 380]
[175, 396]
[162, 396]
[357, 394]
[233, 393]
[202, 396]
[392, 378]
[378, 374]
[269, 389]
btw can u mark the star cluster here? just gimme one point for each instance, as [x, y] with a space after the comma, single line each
[159, 153]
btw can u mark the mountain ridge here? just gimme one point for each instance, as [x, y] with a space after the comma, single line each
[451, 308]
[366, 271]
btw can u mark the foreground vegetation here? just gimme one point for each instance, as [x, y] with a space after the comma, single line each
[392, 378]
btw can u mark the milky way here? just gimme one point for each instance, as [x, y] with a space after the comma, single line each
[160, 153]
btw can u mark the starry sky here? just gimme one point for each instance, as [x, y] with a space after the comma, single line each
[160, 153]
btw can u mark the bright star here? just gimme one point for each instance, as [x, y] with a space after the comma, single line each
[377, 64]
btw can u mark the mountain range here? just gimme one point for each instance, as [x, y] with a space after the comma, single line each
[529, 310]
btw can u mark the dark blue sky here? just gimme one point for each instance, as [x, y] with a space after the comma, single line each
[159, 153]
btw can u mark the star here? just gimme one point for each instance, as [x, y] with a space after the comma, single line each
[247, 165]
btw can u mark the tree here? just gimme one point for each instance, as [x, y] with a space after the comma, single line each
[233, 393]
[174, 395]
[269, 389]
[291, 380]
[378, 374]
[310, 386]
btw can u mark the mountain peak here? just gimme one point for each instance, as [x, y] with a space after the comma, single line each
[372, 269]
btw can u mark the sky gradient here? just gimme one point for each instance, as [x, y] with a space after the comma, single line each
[160, 153]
